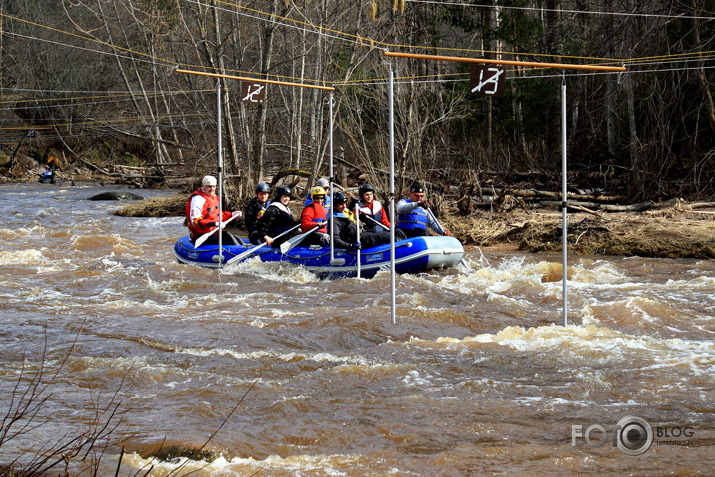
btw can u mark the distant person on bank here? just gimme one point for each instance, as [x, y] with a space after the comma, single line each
[202, 214]
[278, 218]
[255, 209]
[48, 175]
[413, 216]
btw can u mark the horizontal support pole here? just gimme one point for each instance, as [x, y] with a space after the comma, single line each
[537, 64]
[255, 80]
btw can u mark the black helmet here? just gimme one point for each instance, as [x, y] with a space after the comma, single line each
[339, 197]
[365, 188]
[282, 190]
[416, 187]
[262, 187]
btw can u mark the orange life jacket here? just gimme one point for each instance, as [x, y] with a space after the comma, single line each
[209, 214]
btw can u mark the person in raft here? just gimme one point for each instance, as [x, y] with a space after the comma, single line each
[344, 229]
[255, 209]
[325, 184]
[413, 216]
[202, 214]
[277, 218]
[372, 213]
[315, 215]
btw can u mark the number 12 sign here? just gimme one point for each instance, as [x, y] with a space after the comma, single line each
[487, 80]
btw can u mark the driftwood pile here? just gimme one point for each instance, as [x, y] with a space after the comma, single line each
[591, 203]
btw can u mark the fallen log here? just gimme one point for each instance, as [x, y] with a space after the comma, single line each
[524, 193]
[593, 206]
[699, 205]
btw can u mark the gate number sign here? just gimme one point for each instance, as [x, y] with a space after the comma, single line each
[253, 92]
[487, 80]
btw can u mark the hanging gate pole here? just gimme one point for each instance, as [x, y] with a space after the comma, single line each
[393, 292]
[219, 159]
[564, 214]
[332, 184]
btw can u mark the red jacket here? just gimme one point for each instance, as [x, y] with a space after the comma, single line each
[312, 214]
[209, 214]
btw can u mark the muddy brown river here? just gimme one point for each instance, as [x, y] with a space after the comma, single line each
[281, 374]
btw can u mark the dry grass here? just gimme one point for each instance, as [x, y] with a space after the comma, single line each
[159, 207]
[669, 233]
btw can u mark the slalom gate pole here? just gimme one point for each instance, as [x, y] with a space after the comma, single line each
[393, 292]
[219, 160]
[564, 207]
[357, 223]
[332, 185]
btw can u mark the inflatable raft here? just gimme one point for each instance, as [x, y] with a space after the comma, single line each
[412, 255]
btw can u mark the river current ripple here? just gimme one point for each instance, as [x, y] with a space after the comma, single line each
[283, 374]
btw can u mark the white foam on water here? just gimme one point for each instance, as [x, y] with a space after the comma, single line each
[276, 313]
[29, 257]
[272, 271]
[500, 279]
[415, 379]
[591, 343]
[286, 357]
[601, 272]
[155, 222]
[336, 465]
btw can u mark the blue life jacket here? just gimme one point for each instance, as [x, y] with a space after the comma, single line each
[417, 219]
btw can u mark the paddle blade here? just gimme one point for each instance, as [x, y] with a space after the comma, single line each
[292, 242]
[245, 254]
[200, 241]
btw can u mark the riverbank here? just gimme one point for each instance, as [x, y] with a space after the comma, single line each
[670, 231]
[666, 233]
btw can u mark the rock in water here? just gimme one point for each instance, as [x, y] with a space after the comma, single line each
[116, 196]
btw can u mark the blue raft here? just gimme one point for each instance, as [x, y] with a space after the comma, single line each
[412, 255]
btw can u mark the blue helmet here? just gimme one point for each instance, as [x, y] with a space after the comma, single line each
[263, 187]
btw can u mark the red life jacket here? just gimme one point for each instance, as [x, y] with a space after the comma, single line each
[312, 214]
[209, 214]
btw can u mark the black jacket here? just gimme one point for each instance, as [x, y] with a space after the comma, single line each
[345, 235]
[275, 221]
[254, 209]
[344, 232]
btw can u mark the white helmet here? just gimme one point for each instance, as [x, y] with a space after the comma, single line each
[209, 181]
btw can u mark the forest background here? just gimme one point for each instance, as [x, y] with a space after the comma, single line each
[95, 84]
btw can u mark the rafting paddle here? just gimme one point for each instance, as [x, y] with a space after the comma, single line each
[292, 242]
[205, 237]
[253, 249]
[429, 212]
[365, 216]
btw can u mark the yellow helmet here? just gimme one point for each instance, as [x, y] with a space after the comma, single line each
[316, 191]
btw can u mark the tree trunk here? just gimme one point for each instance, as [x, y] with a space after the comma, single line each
[702, 78]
